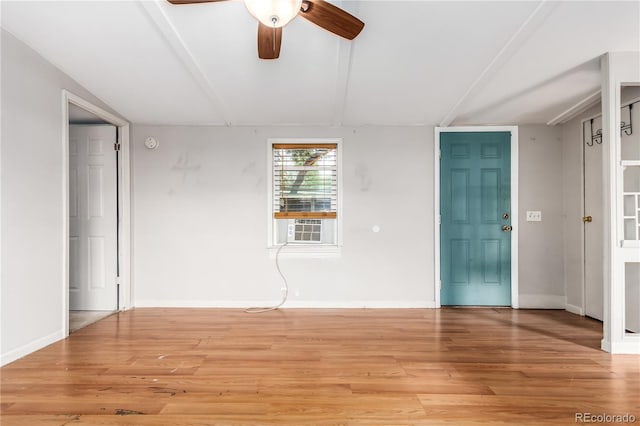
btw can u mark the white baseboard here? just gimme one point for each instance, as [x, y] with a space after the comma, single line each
[31, 347]
[574, 309]
[628, 345]
[373, 304]
[541, 301]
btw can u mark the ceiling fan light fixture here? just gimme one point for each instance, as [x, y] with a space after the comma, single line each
[273, 13]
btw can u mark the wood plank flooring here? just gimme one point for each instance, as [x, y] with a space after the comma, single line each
[323, 367]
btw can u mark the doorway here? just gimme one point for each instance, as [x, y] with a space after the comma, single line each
[476, 216]
[593, 210]
[97, 213]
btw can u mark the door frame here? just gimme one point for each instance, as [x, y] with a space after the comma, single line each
[514, 204]
[124, 197]
[583, 311]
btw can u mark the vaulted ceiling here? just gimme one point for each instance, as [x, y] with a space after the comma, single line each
[415, 62]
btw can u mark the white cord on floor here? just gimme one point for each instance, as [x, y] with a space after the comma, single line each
[259, 310]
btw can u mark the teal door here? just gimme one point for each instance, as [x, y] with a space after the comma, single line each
[475, 206]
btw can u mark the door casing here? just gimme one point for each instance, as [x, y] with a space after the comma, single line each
[514, 204]
[124, 197]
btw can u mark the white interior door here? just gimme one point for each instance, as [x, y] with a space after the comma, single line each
[593, 230]
[92, 217]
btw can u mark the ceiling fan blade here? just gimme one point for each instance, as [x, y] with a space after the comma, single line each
[192, 1]
[331, 18]
[269, 40]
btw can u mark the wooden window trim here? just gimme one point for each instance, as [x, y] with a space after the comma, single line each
[305, 215]
[305, 146]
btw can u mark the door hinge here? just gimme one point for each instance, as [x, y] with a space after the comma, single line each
[439, 219]
[116, 146]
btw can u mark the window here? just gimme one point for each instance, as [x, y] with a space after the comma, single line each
[304, 192]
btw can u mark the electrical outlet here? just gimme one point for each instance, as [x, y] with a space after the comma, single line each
[534, 216]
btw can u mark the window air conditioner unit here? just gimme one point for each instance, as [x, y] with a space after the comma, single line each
[304, 231]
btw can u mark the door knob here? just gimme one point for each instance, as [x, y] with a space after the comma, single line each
[507, 228]
[586, 219]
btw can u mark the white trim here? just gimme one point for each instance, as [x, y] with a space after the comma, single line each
[630, 345]
[576, 109]
[542, 301]
[125, 202]
[437, 283]
[515, 234]
[315, 247]
[31, 347]
[515, 303]
[291, 304]
[306, 251]
[574, 309]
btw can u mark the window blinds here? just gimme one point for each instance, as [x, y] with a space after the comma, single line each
[305, 178]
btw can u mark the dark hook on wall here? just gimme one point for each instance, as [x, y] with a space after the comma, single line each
[595, 137]
[627, 128]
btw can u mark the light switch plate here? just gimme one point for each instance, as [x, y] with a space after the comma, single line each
[534, 216]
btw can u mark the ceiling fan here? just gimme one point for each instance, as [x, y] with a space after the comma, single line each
[272, 15]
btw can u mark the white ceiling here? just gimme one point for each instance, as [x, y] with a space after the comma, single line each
[415, 62]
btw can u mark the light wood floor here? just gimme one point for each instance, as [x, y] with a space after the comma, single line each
[323, 367]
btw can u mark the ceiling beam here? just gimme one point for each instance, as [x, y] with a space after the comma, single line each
[343, 70]
[517, 40]
[159, 18]
[576, 109]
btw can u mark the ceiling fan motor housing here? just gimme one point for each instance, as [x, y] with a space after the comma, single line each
[273, 13]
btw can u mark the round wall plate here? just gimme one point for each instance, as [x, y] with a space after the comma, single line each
[151, 142]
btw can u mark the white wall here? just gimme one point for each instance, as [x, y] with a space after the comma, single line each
[541, 272]
[32, 222]
[200, 219]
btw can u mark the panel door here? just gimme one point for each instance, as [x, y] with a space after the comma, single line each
[475, 205]
[92, 217]
[593, 229]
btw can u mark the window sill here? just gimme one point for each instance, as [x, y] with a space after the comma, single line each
[306, 251]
